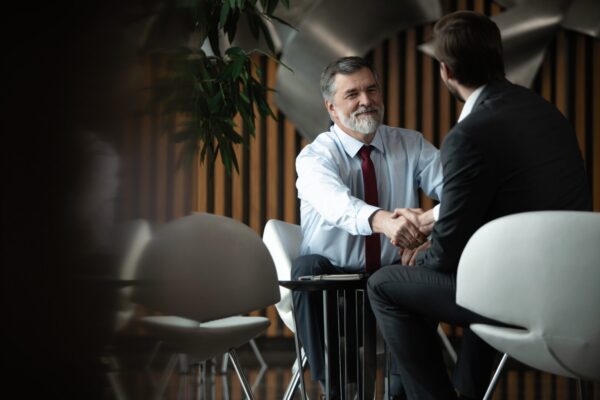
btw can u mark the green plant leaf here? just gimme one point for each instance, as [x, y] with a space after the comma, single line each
[282, 21]
[231, 25]
[271, 5]
[266, 34]
[224, 13]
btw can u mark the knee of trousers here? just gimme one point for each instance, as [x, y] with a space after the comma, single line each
[310, 264]
[374, 282]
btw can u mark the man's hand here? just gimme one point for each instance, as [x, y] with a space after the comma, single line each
[399, 229]
[409, 256]
[422, 220]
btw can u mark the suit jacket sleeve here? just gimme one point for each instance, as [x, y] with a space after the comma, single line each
[467, 193]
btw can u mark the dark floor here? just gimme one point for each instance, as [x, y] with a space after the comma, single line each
[136, 379]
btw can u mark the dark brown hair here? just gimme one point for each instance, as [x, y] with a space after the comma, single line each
[469, 44]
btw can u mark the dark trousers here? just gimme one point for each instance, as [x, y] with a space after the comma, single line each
[408, 303]
[308, 307]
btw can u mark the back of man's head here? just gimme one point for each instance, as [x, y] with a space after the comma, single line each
[469, 43]
[344, 66]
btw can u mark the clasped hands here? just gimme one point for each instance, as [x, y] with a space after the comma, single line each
[406, 228]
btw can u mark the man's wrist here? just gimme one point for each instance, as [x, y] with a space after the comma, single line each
[373, 220]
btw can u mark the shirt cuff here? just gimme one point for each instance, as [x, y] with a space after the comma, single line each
[436, 212]
[362, 222]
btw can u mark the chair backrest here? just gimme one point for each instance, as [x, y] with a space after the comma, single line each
[539, 271]
[205, 267]
[283, 241]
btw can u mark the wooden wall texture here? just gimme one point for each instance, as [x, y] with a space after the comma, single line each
[154, 188]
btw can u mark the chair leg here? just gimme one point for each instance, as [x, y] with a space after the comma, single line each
[241, 376]
[447, 344]
[492, 386]
[164, 380]
[295, 381]
[261, 361]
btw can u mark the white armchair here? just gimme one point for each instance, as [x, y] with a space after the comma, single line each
[539, 271]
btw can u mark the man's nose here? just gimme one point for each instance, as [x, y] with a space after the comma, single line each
[364, 99]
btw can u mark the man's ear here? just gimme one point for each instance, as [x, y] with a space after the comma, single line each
[330, 109]
[445, 71]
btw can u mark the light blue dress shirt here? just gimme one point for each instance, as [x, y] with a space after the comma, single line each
[334, 218]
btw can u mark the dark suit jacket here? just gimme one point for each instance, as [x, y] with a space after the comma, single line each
[513, 153]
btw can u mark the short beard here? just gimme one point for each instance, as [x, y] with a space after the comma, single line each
[365, 125]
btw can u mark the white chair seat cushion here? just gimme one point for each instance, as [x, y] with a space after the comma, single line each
[207, 339]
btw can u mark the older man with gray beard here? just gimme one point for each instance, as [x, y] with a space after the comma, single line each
[351, 181]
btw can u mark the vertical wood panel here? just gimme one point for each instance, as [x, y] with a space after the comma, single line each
[289, 168]
[560, 79]
[546, 81]
[410, 86]
[200, 187]
[580, 93]
[180, 183]
[393, 82]
[427, 93]
[237, 185]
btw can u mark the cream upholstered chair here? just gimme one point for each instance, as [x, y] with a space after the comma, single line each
[539, 271]
[283, 241]
[201, 273]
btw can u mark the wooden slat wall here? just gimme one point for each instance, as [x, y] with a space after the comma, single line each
[154, 188]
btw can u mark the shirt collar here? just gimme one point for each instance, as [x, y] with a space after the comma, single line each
[471, 100]
[351, 145]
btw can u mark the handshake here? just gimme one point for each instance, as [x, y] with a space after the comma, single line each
[406, 228]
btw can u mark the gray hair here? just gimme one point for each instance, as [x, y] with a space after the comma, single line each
[344, 66]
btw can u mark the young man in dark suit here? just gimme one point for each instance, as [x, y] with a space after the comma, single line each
[510, 152]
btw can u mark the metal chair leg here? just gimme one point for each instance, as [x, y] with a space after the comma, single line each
[295, 381]
[164, 380]
[447, 344]
[238, 369]
[261, 361]
[491, 387]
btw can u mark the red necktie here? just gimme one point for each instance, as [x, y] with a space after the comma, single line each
[372, 244]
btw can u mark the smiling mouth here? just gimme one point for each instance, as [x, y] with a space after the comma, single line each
[368, 112]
